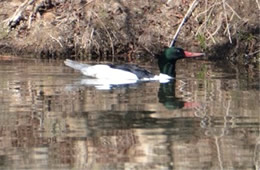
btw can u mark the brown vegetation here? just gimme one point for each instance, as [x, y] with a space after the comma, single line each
[99, 29]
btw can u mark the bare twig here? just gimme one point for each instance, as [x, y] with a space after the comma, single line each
[253, 53]
[147, 50]
[56, 40]
[225, 14]
[219, 25]
[258, 4]
[168, 1]
[86, 4]
[205, 22]
[233, 11]
[206, 16]
[30, 20]
[209, 8]
[192, 7]
[211, 36]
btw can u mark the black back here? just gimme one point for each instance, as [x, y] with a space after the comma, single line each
[138, 71]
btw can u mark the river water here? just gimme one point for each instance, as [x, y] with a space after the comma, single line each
[208, 118]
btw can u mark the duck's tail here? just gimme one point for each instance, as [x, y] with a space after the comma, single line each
[74, 64]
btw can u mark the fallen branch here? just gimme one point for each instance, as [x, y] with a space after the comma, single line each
[15, 19]
[187, 15]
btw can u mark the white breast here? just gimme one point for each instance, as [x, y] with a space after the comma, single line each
[162, 78]
[106, 72]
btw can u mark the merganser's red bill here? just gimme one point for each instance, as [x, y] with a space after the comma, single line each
[190, 54]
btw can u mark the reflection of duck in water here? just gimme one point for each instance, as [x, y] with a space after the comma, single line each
[167, 97]
[128, 74]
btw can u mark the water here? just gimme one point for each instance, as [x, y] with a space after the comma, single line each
[207, 119]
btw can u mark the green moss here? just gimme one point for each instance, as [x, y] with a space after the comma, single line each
[202, 41]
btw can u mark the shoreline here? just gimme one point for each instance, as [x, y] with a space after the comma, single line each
[129, 31]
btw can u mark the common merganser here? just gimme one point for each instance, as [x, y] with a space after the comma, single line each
[133, 73]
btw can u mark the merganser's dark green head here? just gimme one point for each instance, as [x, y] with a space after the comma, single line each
[168, 59]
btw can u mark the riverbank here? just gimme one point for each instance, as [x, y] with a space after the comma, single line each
[129, 30]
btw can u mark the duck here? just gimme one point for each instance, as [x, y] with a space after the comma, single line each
[133, 73]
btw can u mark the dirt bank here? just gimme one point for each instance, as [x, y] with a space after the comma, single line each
[129, 30]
